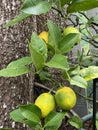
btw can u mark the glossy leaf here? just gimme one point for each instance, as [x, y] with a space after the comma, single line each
[89, 73]
[39, 45]
[66, 44]
[38, 50]
[18, 117]
[21, 62]
[37, 58]
[19, 18]
[14, 71]
[31, 112]
[54, 120]
[58, 61]
[36, 7]
[82, 5]
[78, 81]
[54, 35]
[76, 122]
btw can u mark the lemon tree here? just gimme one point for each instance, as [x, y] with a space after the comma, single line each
[46, 103]
[65, 98]
[61, 41]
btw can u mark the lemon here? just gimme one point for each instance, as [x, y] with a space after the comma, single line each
[71, 29]
[44, 35]
[46, 103]
[65, 98]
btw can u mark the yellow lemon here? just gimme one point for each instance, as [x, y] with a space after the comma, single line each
[44, 36]
[65, 98]
[71, 29]
[46, 103]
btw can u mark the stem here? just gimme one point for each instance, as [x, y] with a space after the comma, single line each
[86, 98]
[58, 12]
[43, 86]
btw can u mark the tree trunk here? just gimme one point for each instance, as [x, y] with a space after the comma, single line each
[14, 45]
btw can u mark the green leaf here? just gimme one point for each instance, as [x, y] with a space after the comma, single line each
[14, 71]
[19, 18]
[82, 5]
[54, 35]
[39, 45]
[78, 81]
[54, 120]
[89, 73]
[76, 122]
[63, 2]
[37, 58]
[66, 75]
[36, 7]
[44, 75]
[58, 61]
[74, 70]
[38, 50]
[66, 44]
[21, 62]
[31, 112]
[94, 19]
[17, 68]
[18, 117]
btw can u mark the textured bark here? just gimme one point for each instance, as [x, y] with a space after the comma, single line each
[14, 45]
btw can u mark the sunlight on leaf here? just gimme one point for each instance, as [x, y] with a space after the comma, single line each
[36, 7]
[89, 73]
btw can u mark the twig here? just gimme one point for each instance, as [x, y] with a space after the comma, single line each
[58, 12]
[43, 86]
[86, 98]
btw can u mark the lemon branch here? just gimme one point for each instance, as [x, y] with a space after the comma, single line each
[85, 97]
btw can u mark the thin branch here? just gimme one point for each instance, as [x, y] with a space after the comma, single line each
[58, 12]
[43, 86]
[86, 98]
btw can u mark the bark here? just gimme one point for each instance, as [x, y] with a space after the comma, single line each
[14, 45]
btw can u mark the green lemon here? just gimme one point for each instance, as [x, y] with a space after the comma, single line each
[65, 98]
[71, 29]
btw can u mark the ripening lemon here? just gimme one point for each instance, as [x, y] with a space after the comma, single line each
[44, 36]
[46, 103]
[65, 98]
[71, 29]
